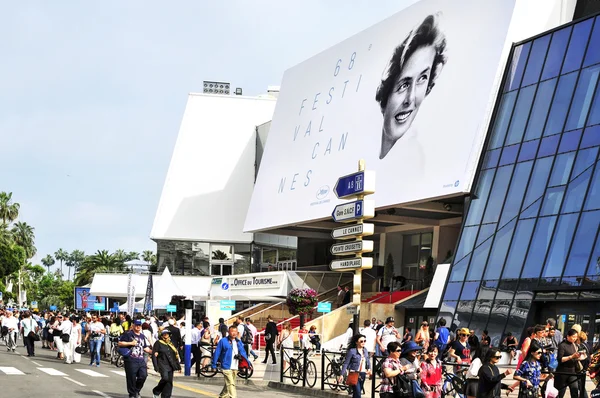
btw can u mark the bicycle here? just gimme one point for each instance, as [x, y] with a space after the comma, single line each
[454, 384]
[245, 371]
[299, 372]
[115, 356]
[333, 370]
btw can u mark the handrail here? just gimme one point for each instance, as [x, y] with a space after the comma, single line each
[241, 313]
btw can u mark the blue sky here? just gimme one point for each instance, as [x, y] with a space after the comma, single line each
[93, 94]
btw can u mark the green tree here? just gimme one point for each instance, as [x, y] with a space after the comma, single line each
[102, 261]
[48, 261]
[149, 257]
[133, 256]
[24, 236]
[219, 255]
[77, 258]
[12, 257]
[120, 255]
[9, 211]
[61, 255]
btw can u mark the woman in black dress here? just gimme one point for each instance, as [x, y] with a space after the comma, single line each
[490, 378]
[165, 359]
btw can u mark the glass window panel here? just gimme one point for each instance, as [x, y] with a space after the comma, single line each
[221, 252]
[539, 247]
[470, 291]
[491, 158]
[512, 205]
[539, 113]
[536, 186]
[519, 60]
[582, 244]
[480, 254]
[509, 154]
[487, 291]
[548, 146]
[583, 98]
[447, 310]
[562, 169]
[481, 313]
[554, 59]
[569, 141]
[518, 249]
[452, 291]
[552, 201]
[592, 201]
[463, 253]
[585, 159]
[506, 289]
[478, 205]
[593, 268]
[576, 192]
[499, 251]
[528, 150]
[560, 246]
[577, 45]
[591, 137]
[517, 318]
[560, 104]
[592, 55]
[502, 119]
[520, 115]
[567, 295]
[594, 117]
[492, 212]
[463, 313]
[536, 60]
[498, 316]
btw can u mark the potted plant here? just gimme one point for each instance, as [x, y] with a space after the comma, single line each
[301, 302]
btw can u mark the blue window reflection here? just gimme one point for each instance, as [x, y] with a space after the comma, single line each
[499, 251]
[536, 60]
[577, 45]
[536, 188]
[463, 253]
[562, 169]
[593, 198]
[591, 137]
[552, 201]
[502, 119]
[549, 146]
[560, 104]
[452, 291]
[480, 254]
[576, 192]
[539, 247]
[509, 155]
[582, 243]
[556, 53]
[560, 246]
[585, 159]
[483, 190]
[593, 267]
[593, 51]
[519, 60]
[520, 115]
[470, 290]
[583, 98]
[569, 141]
[513, 201]
[518, 249]
[594, 117]
[492, 212]
[491, 158]
[539, 112]
[528, 150]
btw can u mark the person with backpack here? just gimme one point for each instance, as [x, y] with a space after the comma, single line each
[229, 354]
[248, 337]
[442, 336]
[132, 345]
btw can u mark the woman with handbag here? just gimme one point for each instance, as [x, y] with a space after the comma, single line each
[530, 372]
[95, 332]
[165, 359]
[271, 334]
[490, 378]
[357, 365]
[286, 342]
[568, 362]
[75, 339]
[30, 336]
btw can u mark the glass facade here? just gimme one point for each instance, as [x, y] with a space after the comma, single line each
[531, 227]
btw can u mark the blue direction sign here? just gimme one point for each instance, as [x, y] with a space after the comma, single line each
[225, 286]
[324, 307]
[171, 308]
[99, 307]
[359, 209]
[360, 183]
[227, 305]
[53, 308]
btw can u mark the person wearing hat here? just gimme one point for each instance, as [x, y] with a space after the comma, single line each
[460, 349]
[409, 360]
[132, 345]
[165, 359]
[386, 335]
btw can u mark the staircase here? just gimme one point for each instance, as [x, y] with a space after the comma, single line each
[294, 321]
[393, 297]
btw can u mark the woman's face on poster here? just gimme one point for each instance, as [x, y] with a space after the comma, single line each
[409, 91]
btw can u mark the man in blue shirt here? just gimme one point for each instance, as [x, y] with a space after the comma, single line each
[132, 346]
[229, 352]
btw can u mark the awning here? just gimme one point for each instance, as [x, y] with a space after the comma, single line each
[415, 301]
[437, 286]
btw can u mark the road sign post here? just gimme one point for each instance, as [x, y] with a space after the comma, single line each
[354, 186]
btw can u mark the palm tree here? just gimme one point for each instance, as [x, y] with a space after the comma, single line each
[61, 255]
[133, 256]
[102, 261]
[24, 236]
[8, 211]
[77, 257]
[48, 261]
[5, 235]
[149, 256]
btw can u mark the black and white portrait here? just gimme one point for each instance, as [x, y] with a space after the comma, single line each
[409, 78]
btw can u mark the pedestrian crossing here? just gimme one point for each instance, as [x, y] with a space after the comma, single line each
[12, 371]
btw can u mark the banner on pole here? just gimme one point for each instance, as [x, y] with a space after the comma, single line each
[130, 294]
[149, 298]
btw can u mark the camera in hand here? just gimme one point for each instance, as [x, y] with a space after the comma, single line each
[237, 357]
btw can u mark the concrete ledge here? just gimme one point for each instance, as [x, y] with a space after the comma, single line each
[307, 391]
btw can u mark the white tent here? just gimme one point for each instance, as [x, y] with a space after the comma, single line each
[165, 288]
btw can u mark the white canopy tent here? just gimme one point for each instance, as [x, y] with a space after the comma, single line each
[164, 287]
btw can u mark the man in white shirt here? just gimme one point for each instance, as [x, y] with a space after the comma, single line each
[253, 330]
[386, 335]
[196, 354]
[12, 324]
[370, 335]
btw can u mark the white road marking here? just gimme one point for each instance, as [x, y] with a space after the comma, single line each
[91, 373]
[119, 372]
[9, 370]
[24, 357]
[75, 381]
[36, 364]
[101, 394]
[52, 371]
